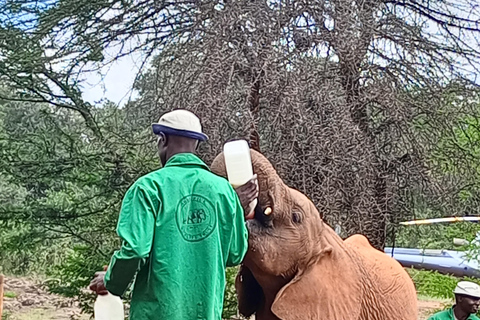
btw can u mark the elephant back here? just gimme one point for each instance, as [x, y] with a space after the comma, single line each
[388, 288]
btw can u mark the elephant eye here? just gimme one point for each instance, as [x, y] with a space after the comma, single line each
[296, 217]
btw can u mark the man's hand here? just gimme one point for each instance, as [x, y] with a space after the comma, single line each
[98, 283]
[247, 193]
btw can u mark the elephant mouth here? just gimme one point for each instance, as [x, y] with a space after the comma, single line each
[261, 225]
[263, 215]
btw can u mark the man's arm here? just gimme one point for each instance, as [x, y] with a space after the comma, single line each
[136, 228]
[247, 193]
[243, 196]
[239, 241]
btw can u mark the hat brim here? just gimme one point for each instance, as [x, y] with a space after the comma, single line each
[158, 128]
[462, 293]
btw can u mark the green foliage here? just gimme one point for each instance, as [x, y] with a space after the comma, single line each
[6, 315]
[74, 273]
[9, 294]
[434, 284]
[435, 236]
[25, 251]
[230, 299]
[61, 187]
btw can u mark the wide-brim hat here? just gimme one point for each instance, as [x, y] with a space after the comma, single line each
[468, 288]
[182, 123]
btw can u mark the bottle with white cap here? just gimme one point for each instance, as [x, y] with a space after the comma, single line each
[238, 163]
[108, 307]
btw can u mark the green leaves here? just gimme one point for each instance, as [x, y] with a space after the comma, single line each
[434, 284]
[230, 299]
[62, 185]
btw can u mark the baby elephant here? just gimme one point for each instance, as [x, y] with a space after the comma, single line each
[297, 267]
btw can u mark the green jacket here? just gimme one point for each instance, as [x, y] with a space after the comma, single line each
[448, 315]
[181, 227]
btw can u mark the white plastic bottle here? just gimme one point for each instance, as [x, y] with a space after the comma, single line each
[108, 307]
[238, 163]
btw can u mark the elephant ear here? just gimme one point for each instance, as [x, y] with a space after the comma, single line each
[249, 292]
[329, 290]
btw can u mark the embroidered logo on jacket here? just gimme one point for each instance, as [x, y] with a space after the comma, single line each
[196, 218]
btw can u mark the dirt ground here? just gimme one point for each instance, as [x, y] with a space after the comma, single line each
[24, 299]
[428, 306]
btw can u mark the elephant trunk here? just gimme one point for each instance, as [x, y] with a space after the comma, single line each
[273, 193]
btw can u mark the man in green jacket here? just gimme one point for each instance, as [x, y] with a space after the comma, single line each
[181, 227]
[467, 298]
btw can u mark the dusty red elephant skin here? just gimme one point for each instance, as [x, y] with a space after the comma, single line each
[297, 267]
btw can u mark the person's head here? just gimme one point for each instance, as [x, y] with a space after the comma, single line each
[467, 296]
[178, 131]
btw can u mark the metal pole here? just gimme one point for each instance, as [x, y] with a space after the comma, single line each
[1, 295]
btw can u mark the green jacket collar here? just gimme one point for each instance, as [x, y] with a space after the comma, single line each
[186, 159]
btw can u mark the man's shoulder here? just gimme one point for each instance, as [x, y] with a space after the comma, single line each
[157, 176]
[148, 180]
[473, 317]
[220, 183]
[218, 178]
[442, 315]
[150, 176]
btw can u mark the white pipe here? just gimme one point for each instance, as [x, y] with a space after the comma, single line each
[440, 220]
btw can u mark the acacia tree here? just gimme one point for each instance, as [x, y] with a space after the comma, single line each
[327, 89]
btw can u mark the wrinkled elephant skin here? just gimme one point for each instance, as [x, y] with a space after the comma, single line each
[297, 267]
